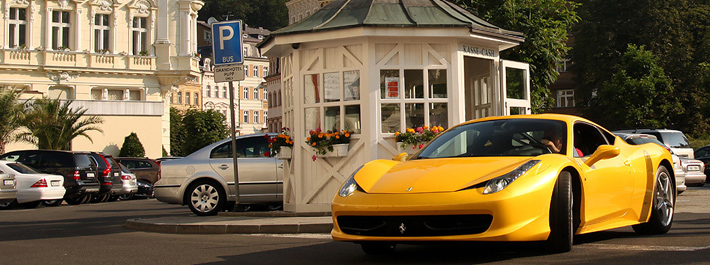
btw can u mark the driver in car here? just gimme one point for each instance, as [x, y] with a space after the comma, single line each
[552, 141]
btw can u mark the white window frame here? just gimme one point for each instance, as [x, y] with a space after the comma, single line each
[566, 96]
[256, 93]
[427, 99]
[101, 42]
[246, 93]
[60, 40]
[256, 116]
[246, 116]
[15, 25]
[265, 71]
[255, 70]
[139, 36]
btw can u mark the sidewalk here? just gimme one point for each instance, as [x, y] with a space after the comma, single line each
[271, 222]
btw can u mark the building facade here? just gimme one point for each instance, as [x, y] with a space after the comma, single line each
[117, 59]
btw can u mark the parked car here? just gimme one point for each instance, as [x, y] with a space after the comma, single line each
[204, 180]
[678, 168]
[694, 172]
[674, 139]
[130, 185]
[8, 190]
[107, 173]
[146, 169]
[703, 154]
[32, 187]
[122, 183]
[77, 168]
[495, 179]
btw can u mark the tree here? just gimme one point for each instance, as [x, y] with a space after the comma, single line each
[53, 124]
[11, 113]
[177, 133]
[202, 129]
[132, 147]
[675, 32]
[545, 24]
[637, 93]
[269, 14]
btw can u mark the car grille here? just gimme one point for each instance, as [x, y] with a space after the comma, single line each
[415, 226]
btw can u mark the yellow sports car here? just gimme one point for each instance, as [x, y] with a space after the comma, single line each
[515, 178]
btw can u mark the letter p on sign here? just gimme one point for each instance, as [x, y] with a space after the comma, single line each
[223, 37]
[227, 43]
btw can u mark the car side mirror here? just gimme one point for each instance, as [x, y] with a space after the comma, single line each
[401, 157]
[603, 152]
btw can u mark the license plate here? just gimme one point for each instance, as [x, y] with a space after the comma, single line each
[8, 182]
[92, 190]
[56, 183]
[693, 168]
[90, 175]
[115, 174]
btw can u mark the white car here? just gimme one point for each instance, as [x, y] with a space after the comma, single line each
[694, 172]
[8, 192]
[130, 185]
[32, 187]
[679, 170]
[674, 139]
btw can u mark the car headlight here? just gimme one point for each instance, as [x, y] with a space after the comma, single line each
[500, 183]
[350, 185]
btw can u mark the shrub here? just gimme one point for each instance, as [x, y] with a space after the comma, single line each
[132, 147]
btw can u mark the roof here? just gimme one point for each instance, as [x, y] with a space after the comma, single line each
[342, 14]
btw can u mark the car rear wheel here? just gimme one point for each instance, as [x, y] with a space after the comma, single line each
[76, 199]
[378, 248]
[662, 210]
[561, 215]
[206, 198]
[125, 197]
[52, 202]
[8, 205]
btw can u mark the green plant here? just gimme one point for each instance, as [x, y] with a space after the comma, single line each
[418, 137]
[52, 124]
[132, 147]
[282, 139]
[143, 53]
[323, 141]
[62, 48]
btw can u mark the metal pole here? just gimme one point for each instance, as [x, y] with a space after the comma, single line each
[234, 142]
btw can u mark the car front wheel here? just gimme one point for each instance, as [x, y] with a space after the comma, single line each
[663, 205]
[561, 215]
[206, 198]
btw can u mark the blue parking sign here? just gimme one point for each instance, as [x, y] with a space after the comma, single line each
[227, 43]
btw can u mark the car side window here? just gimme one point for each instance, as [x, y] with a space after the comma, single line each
[222, 151]
[13, 157]
[128, 164]
[252, 147]
[588, 138]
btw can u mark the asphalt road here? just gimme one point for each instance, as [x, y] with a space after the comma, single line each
[95, 234]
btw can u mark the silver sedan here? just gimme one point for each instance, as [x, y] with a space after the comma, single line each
[694, 172]
[204, 180]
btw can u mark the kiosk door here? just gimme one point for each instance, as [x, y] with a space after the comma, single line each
[515, 87]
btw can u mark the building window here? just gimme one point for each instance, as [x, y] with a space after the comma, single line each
[265, 117]
[197, 99]
[224, 92]
[562, 66]
[246, 116]
[187, 98]
[565, 98]
[216, 92]
[256, 93]
[256, 117]
[17, 28]
[246, 71]
[419, 102]
[60, 30]
[102, 32]
[266, 95]
[246, 93]
[179, 96]
[140, 36]
[255, 70]
[265, 71]
[208, 92]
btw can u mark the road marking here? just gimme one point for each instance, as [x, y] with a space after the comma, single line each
[303, 235]
[643, 248]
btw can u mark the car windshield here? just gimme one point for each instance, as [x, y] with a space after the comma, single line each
[676, 140]
[509, 137]
[22, 168]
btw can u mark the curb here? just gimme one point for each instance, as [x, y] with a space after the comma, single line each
[233, 225]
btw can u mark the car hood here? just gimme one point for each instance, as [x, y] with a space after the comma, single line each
[432, 175]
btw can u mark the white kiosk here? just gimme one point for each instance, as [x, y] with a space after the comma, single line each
[376, 67]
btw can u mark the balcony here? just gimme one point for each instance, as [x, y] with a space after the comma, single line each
[73, 59]
[120, 107]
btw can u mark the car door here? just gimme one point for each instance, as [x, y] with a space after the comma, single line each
[608, 183]
[257, 172]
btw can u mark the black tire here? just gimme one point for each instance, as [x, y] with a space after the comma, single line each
[52, 202]
[378, 248]
[561, 216]
[30, 205]
[205, 197]
[113, 198]
[96, 198]
[8, 205]
[125, 197]
[76, 200]
[664, 195]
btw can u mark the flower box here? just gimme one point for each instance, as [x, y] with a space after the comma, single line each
[285, 152]
[410, 150]
[339, 150]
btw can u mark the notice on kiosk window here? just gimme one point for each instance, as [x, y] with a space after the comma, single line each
[392, 87]
[229, 73]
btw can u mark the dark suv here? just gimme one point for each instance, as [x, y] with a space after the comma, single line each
[108, 172]
[78, 169]
[147, 172]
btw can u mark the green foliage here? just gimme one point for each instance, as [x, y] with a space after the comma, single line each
[202, 128]
[677, 33]
[52, 124]
[177, 133]
[638, 93]
[11, 112]
[269, 14]
[545, 24]
[132, 147]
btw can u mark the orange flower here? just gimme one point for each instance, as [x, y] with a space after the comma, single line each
[347, 135]
[426, 127]
[396, 133]
[313, 144]
[308, 138]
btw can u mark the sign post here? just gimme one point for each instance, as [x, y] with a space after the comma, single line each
[228, 58]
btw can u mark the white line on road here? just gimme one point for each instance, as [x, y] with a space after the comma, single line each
[642, 248]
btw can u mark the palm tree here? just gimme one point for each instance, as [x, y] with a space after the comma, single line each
[11, 113]
[52, 124]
